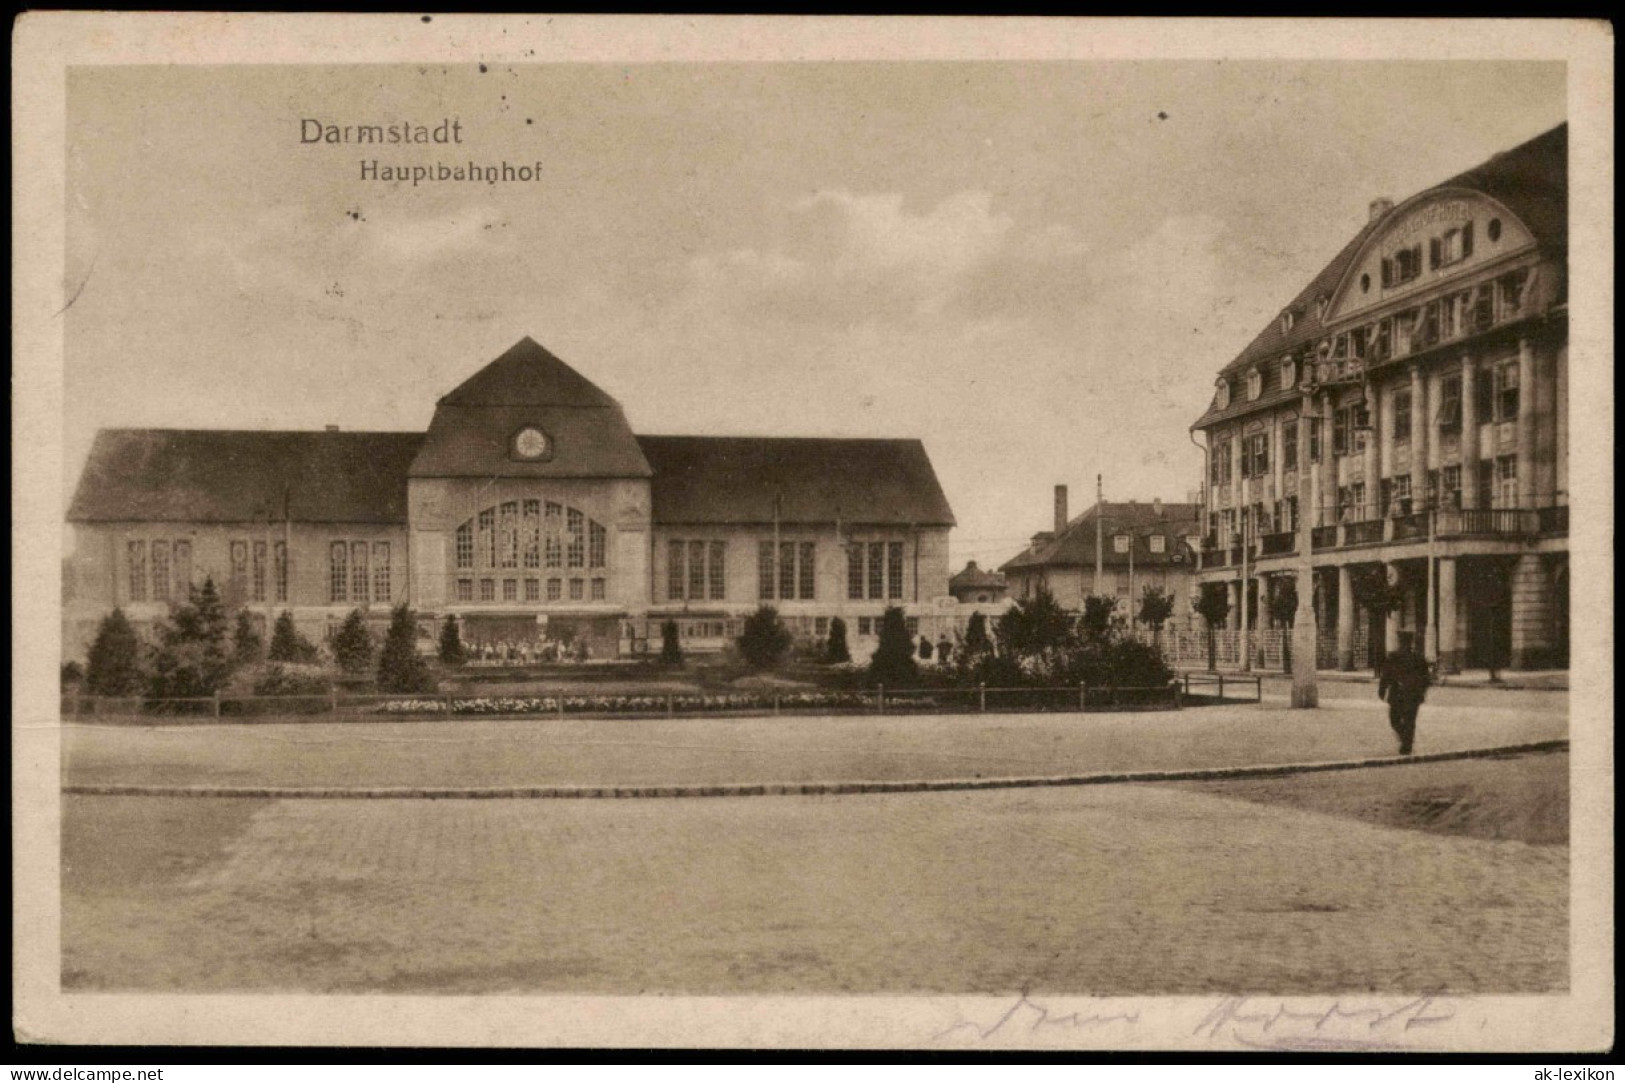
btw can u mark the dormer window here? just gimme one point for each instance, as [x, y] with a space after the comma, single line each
[1120, 543]
[1221, 396]
[1289, 373]
[1288, 318]
[1255, 384]
[1320, 306]
[1454, 246]
[1159, 543]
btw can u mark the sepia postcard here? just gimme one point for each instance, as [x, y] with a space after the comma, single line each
[933, 534]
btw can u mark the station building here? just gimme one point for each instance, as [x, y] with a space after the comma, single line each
[529, 511]
[1421, 381]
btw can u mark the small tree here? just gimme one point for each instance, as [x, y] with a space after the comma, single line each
[352, 644]
[1213, 606]
[836, 650]
[287, 645]
[451, 643]
[671, 651]
[400, 668]
[192, 660]
[114, 665]
[925, 648]
[246, 644]
[977, 644]
[1156, 606]
[1098, 611]
[893, 660]
[765, 639]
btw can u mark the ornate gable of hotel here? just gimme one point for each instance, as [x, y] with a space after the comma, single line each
[1512, 208]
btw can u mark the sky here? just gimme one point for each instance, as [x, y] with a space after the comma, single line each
[1035, 268]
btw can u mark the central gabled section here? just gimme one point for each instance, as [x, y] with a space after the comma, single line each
[529, 415]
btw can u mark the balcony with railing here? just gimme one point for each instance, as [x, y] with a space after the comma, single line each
[1363, 532]
[1274, 545]
[1407, 527]
[1478, 522]
[1323, 537]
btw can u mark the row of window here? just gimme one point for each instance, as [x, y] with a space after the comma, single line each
[787, 571]
[160, 570]
[1123, 583]
[696, 570]
[874, 570]
[351, 576]
[578, 589]
[529, 534]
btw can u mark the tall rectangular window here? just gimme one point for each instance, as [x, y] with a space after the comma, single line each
[465, 545]
[488, 538]
[719, 571]
[1506, 481]
[358, 572]
[597, 546]
[1450, 404]
[787, 570]
[338, 572]
[280, 555]
[1450, 487]
[183, 569]
[1402, 416]
[239, 569]
[1484, 383]
[1314, 439]
[555, 589]
[553, 531]
[465, 590]
[1289, 446]
[894, 570]
[160, 571]
[509, 536]
[674, 570]
[598, 590]
[488, 590]
[576, 554]
[854, 570]
[531, 534]
[261, 551]
[764, 571]
[136, 555]
[1400, 499]
[807, 571]
[380, 572]
[1340, 432]
[696, 570]
[576, 589]
[510, 590]
[533, 590]
[877, 569]
[1506, 391]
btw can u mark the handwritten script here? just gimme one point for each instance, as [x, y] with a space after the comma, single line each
[1254, 1022]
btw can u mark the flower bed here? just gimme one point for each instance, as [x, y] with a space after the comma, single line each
[631, 704]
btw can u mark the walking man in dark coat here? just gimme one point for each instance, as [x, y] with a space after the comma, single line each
[1403, 683]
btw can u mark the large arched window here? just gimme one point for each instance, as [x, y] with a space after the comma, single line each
[530, 534]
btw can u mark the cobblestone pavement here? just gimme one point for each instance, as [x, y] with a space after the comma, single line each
[1130, 889]
[701, 751]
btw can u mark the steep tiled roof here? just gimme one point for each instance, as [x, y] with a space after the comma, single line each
[1530, 179]
[735, 479]
[220, 476]
[1076, 544]
[528, 386]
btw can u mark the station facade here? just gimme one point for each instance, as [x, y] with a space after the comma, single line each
[529, 511]
[1419, 386]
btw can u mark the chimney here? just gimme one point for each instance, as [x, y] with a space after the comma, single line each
[1380, 206]
[1060, 509]
[332, 428]
[1156, 507]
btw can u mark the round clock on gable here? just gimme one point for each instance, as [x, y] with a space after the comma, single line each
[531, 444]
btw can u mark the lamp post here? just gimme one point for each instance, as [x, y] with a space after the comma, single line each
[1305, 692]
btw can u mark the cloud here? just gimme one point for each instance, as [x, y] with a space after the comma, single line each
[849, 258]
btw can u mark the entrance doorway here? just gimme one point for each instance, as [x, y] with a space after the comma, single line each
[1485, 583]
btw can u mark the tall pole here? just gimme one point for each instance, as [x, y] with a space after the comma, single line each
[1305, 692]
[1131, 540]
[1100, 549]
[778, 554]
[1246, 644]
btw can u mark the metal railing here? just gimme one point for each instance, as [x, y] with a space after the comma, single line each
[1482, 521]
[1363, 532]
[1274, 545]
[1197, 688]
[1323, 537]
[1410, 526]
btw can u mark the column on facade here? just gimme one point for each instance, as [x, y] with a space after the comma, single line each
[1345, 617]
[1421, 436]
[1429, 644]
[1449, 650]
[1383, 436]
[1277, 461]
[1331, 468]
[1526, 423]
[1232, 620]
[1375, 457]
[1469, 433]
[1531, 613]
[1238, 484]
